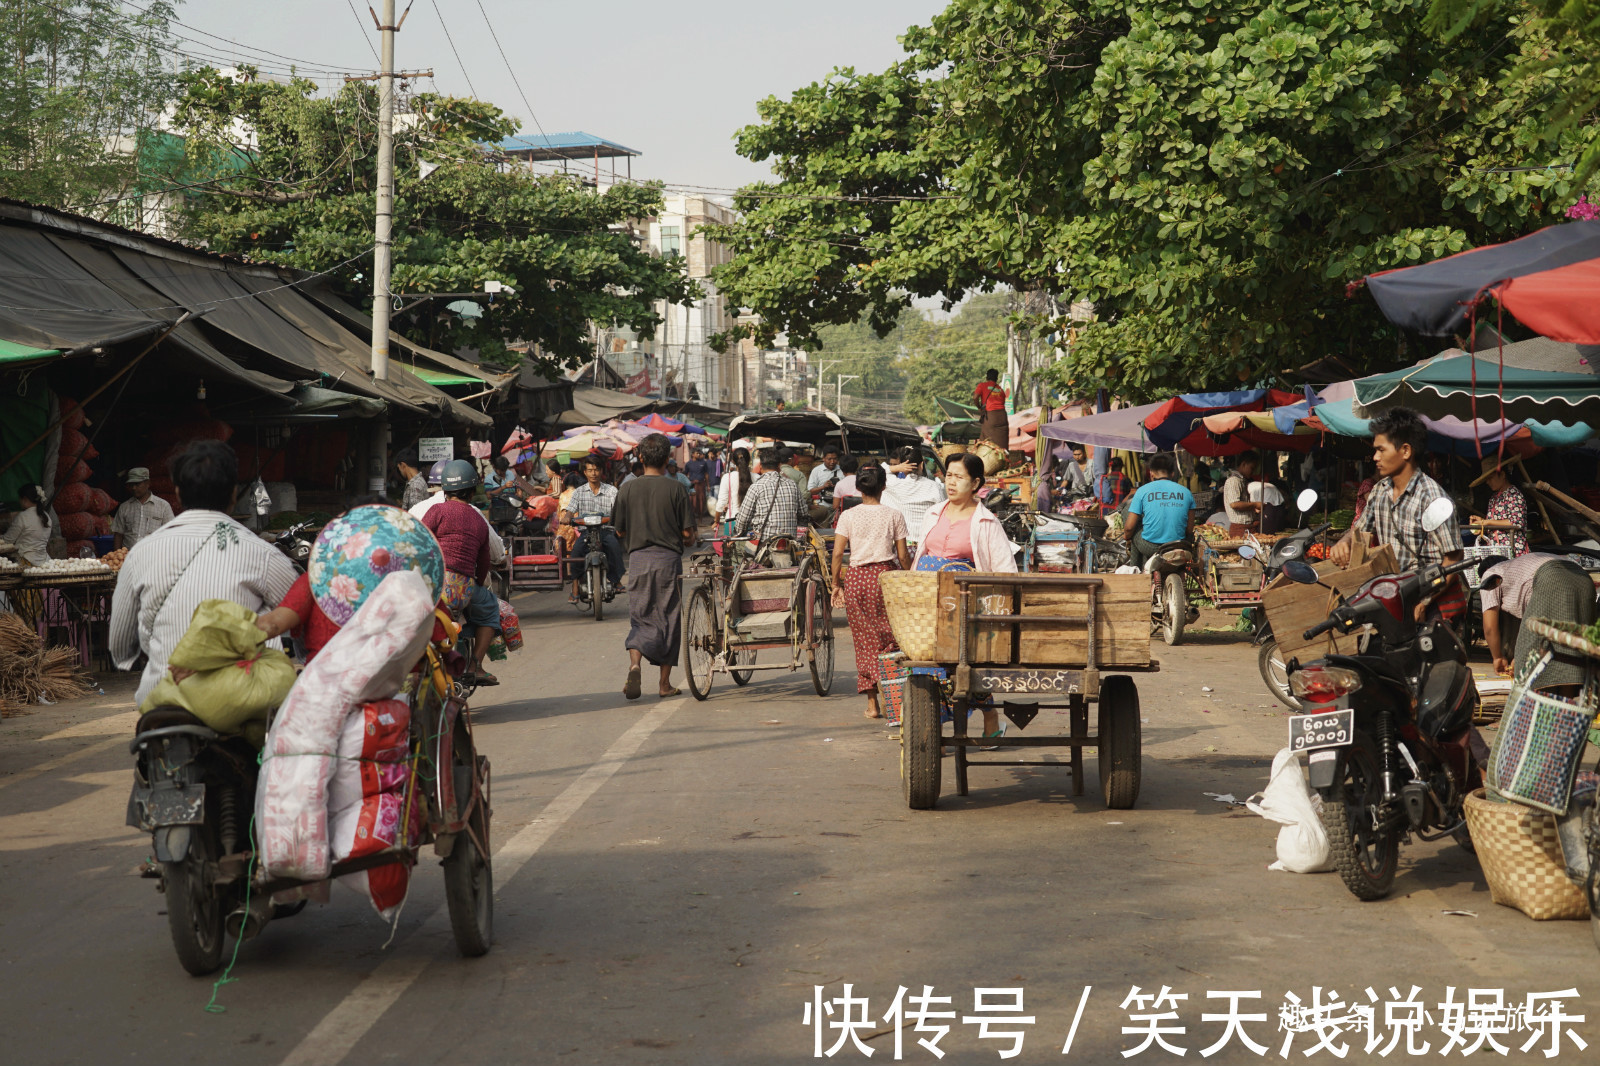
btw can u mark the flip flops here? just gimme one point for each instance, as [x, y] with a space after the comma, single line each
[667, 695]
[630, 689]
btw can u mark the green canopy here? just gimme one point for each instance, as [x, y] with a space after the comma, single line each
[953, 409]
[11, 352]
[1444, 386]
[443, 377]
[1336, 415]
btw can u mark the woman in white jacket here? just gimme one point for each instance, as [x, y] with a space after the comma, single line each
[962, 534]
[735, 483]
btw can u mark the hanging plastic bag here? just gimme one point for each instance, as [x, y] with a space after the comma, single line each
[1287, 799]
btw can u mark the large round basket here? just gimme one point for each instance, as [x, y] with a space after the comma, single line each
[62, 580]
[1566, 634]
[911, 600]
[1521, 857]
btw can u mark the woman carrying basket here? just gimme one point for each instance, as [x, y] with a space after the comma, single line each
[876, 538]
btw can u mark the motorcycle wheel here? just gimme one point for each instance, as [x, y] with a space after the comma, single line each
[597, 592]
[195, 914]
[1275, 672]
[1366, 859]
[1175, 607]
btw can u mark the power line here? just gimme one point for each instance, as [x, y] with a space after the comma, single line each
[309, 64]
[444, 26]
[512, 71]
[363, 27]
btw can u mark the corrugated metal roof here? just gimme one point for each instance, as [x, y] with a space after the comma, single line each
[573, 145]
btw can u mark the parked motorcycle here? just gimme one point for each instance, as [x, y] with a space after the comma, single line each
[1274, 668]
[1389, 736]
[296, 542]
[1171, 571]
[594, 588]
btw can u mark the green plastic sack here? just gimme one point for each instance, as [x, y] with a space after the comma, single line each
[235, 682]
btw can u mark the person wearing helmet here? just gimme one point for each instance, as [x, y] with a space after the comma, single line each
[595, 497]
[463, 536]
[436, 471]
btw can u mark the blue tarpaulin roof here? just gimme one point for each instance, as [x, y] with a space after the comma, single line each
[572, 145]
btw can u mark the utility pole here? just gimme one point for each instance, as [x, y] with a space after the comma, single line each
[838, 391]
[382, 247]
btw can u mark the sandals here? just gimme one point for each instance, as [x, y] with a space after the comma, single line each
[486, 679]
[670, 693]
[631, 687]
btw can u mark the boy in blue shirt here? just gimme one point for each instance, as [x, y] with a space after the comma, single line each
[1160, 512]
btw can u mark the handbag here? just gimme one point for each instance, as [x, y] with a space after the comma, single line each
[1541, 741]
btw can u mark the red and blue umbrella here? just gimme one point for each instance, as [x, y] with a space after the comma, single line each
[1549, 280]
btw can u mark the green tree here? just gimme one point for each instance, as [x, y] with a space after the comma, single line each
[81, 83]
[301, 191]
[1211, 174]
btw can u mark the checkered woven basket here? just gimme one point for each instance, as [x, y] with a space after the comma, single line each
[1522, 861]
[892, 685]
[911, 600]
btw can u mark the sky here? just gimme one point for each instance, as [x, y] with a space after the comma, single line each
[672, 81]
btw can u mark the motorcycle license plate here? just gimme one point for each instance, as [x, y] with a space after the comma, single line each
[1331, 729]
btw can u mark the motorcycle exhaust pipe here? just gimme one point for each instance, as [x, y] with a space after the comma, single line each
[246, 923]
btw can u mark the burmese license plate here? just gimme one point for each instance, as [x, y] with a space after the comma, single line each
[1331, 729]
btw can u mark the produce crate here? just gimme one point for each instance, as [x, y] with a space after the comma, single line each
[1122, 624]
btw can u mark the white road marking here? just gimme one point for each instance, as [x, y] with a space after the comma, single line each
[45, 767]
[112, 725]
[343, 1027]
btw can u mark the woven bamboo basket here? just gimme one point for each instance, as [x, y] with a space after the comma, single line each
[911, 600]
[1521, 858]
[993, 456]
[60, 580]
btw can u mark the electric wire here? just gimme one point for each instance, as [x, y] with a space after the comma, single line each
[452, 41]
[512, 71]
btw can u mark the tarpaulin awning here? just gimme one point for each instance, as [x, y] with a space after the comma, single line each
[1451, 434]
[1550, 280]
[1120, 430]
[410, 350]
[1179, 423]
[819, 428]
[1466, 386]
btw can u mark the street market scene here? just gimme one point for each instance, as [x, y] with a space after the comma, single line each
[992, 532]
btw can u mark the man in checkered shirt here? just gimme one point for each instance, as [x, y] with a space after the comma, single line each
[773, 504]
[1394, 510]
[595, 497]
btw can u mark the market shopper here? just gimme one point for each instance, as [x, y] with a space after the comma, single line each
[849, 470]
[962, 534]
[787, 468]
[1075, 476]
[202, 554]
[1506, 520]
[416, 489]
[141, 514]
[909, 491]
[698, 470]
[1393, 514]
[655, 521]
[875, 536]
[463, 536]
[1537, 586]
[29, 530]
[771, 509]
[990, 398]
[1115, 486]
[731, 489]
[1160, 512]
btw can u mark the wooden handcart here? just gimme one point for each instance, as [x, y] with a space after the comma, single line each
[1032, 643]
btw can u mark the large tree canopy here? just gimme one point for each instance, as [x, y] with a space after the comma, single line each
[1210, 174]
[299, 189]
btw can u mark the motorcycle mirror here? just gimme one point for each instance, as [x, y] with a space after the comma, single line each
[1437, 514]
[1300, 572]
[1247, 551]
[1306, 500]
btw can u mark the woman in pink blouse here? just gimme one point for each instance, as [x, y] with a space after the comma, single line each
[876, 537]
[1507, 519]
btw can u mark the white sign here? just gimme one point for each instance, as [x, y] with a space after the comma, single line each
[432, 449]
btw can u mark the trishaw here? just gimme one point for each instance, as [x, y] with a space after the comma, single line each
[1021, 639]
[532, 564]
[194, 790]
[768, 596]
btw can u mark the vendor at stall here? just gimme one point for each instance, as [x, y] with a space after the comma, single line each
[1538, 586]
[30, 529]
[141, 514]
[1507, 514]
[1243, 513]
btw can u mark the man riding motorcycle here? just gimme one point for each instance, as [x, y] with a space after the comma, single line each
[1160, 512]
[595, 497]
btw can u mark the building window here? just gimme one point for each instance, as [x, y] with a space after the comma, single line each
[671, 243]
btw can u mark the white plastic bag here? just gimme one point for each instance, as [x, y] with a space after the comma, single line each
[1287, 799]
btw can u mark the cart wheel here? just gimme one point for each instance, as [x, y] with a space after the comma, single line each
[468, 875]
[1120, 744]
[819, 635]
[1177, 608]
[700, 640]
[597, 592]
[919, 742]
[747, 657]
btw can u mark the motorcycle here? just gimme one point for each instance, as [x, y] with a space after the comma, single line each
[1389, 738]
[296, 542]
[1170, 570]
[1272, 665]
[594, 588]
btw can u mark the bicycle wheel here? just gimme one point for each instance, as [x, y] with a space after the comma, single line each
[819, 635]
[700, 642]
[742, 657]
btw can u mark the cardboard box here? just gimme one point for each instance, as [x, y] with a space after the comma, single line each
[1292, 609]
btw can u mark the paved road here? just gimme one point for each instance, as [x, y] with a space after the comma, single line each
[676, 877]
